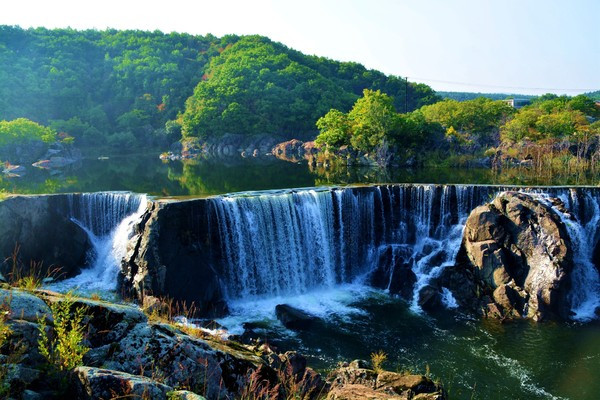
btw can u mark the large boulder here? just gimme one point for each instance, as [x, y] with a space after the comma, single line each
[394, 271]
[292, 150]
[37, 233]
[515, 260]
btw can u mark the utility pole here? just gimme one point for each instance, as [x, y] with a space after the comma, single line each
[406, 96]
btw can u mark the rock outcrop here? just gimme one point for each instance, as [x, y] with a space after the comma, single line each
[132, 356]
[354, 381]
[37, 231]
[394, 271]
[515, 260]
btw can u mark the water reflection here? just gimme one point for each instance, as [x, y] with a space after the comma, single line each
[202, 177]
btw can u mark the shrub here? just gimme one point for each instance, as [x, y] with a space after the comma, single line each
[64, 351]
[377, 360]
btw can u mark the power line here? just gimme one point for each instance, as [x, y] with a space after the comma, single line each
[501, 87]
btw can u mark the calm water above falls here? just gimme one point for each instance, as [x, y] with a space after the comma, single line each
[148, 174]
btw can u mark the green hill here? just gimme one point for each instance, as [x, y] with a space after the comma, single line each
[119, 88]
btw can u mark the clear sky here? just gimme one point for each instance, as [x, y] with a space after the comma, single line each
[522, 46]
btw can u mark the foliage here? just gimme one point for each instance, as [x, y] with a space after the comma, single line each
[593, 95]
[259, 86]
[334, 128]
[551, 118]
[463, 96]
[90, 83]
[83, 82]
[377, 360]
[22, 130]
[469, 121]
[373, 118]
[65, 350]
[374, 126]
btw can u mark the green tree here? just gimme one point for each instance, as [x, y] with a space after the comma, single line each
[372, 118]
[334, 129]
[22, 130]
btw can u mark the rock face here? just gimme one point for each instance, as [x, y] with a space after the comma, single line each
[95, 383]
[354, 381]
[40, 229]
[172, 255]
[514, 261]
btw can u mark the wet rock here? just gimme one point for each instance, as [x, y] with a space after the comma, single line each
[171, 255]
[430, 298]
[394, 271]
[31, 395]
[293, 318]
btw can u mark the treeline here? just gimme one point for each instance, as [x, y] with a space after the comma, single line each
[552, 130]
[129, 88]
[463, 96]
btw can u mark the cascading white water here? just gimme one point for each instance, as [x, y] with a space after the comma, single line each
[282, 243]
[585, 280]
[107, 218]
[290, 243]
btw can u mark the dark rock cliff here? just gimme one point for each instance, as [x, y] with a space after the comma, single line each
[172, 254]
[37, 229]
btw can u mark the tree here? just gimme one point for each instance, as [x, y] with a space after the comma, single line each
[372, 118]
[334, 129]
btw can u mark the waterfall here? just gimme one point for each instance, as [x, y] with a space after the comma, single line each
[107, 218]
[583, 231]
[291, 242]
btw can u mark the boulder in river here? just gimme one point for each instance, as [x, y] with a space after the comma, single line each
[294, 318]
[515, 260]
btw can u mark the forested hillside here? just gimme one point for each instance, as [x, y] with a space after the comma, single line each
[127, 88]
[594, 95]
[113, 87]
[259, 86]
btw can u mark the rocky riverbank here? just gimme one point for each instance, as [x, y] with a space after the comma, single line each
[129, 352]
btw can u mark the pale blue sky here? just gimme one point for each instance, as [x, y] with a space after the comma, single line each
[524, 46]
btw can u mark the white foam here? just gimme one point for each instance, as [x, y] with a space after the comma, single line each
[448, 299]
[335, 302]
[105, 258]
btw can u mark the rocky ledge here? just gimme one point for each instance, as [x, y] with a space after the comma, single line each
[132, 355]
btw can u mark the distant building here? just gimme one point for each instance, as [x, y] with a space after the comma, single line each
[517, 103]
